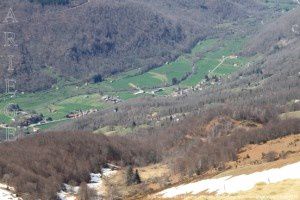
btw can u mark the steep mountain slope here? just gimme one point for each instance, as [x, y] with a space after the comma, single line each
[281, 34]
[279, 45]
[106, 37]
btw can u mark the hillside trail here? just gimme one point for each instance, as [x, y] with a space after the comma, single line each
[80, 5]
[62, 11]
[74, 7]
[221, 63]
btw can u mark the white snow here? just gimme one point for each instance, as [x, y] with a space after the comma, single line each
[234, 184]
[7, 193]
[96, 184]
[95, 178]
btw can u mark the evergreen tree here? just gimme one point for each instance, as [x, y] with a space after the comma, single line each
[132, 177]
[174, 81]
[129, 175]
[136, 177]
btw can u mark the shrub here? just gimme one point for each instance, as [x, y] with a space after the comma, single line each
[129, 175]
[136, 177]
[270, 156]
[132, 178]
[97, 78]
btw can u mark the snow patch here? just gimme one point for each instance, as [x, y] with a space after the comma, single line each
[69, 193]
[234, 184]
[6, 193]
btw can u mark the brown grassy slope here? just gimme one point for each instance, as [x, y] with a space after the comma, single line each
[288, 189]
[284, 190]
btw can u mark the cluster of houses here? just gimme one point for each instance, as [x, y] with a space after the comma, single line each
[152, 92]
[22, 118]
[154, 117]
[199, 87]
[80, 113]
[112, 99]
[181, 92]
[30, 119]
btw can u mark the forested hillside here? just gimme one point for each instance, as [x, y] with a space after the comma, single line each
[84, 38]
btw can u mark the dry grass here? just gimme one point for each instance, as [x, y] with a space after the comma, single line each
[285, 190]
[250, 158]
[286, 144]
[154, 178]
[290, 115]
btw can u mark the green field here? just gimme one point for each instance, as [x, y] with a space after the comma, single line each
[205, 56]
[214, 57]
[158, 77]
[53, 103]
[63, 99]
